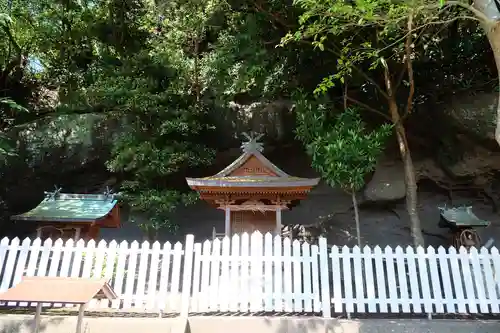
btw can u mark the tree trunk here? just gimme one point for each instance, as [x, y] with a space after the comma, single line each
[410, 178]
[151, 235]
[489, 21]
[356, 216]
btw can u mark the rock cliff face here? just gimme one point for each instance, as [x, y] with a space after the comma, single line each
[388, 181]
[60, 150]
[475, 113]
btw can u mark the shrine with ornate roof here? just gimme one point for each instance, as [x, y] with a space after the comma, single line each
[252, 191]
[75, 216]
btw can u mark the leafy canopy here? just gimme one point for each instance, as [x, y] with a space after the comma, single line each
[342, 149]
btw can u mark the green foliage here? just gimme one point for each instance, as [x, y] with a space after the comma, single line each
[157, 72]
[342, 150]
[366, 36]
[161, 130]
[8, 111]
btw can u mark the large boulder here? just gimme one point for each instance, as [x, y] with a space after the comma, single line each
[475, 113]
[387, 183]
[274, 119]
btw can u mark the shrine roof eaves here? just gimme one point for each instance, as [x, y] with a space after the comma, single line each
[253, 181]
[70, 207]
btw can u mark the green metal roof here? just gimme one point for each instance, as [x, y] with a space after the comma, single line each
[70, 207]
[462, 217]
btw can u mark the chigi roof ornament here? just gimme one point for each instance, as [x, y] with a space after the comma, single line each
[253, 143]
[53, 195]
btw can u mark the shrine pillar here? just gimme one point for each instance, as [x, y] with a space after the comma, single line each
[278, 220]
[227, 226]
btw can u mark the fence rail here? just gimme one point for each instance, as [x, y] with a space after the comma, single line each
[262, 273]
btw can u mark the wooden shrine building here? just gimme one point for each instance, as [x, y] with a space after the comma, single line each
[252, 191]
[63, 215]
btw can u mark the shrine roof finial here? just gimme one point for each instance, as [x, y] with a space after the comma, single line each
[253, 143]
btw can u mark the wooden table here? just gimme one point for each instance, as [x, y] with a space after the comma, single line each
[63, 290]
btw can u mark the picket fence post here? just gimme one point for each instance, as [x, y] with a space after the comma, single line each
[324, 278]
[187, 273]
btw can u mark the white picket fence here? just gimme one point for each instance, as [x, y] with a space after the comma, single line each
[261, 273]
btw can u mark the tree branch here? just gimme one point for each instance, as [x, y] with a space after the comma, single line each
[475, 11]
[363, 74]
[409, 66]
[369, 108]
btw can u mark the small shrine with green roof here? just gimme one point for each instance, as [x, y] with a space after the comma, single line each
[72, 216]
[252, 191]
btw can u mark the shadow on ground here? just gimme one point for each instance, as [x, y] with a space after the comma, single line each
[319, 325]
[16, 326]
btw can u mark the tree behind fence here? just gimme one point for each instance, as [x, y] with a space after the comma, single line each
[262, 273]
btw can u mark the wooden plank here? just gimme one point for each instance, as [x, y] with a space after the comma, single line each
[467, 279]
[287, 274]
[187, 275]
[370, 283]
[477, 279]
[234, 301]
[195, 304]
[44, 262]
[443, 265]
[278, 274]
[152, 290]
[437, 296]
[130, 276]
[297, 277]
[256, 277]
[414, 280]
[359, 278]
[268, 272]
[166, 255]
[24, 251]
[118, 281]
[424, 280]
[214, 275]
[4, 250]
[404, 298]
[98, 271]
[8, 270]
[382, 298]
[336, 280]
[20, 264]
[495, 258]
[315, 278]
[99, 259]
[244, 275]
[346, 258]
[489, 280]
[33, 261]
[55, 259]
[175, 291]
[140, 298]
[204, 301]
[456, 280]
[392, 286]
[225, 281]
[324, 278]
[67, 254]
[306, 273]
